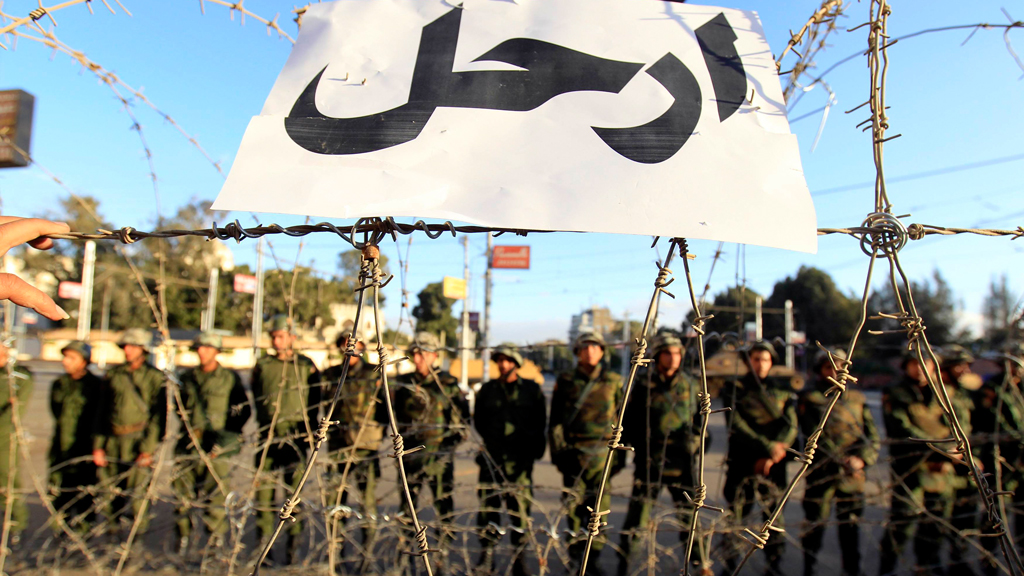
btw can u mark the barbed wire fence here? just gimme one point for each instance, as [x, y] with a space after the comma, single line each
[882, 233]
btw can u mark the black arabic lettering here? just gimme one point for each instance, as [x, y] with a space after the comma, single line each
[548, 71]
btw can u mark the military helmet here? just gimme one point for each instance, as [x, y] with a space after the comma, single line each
[821, 358]
[83, 349]
[425, 342]
[954, 354]
[208, 339]
[664, 341]
[761, 345]
[588, 338]
[280, 322]
[137, 337]
[344, 335]
[510, 351]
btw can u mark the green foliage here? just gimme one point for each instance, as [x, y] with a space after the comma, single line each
[434, 313]
[936, 305]
[1002, 310]
[729, 319]
[821, 310]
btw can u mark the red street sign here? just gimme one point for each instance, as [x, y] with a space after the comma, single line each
[516, 257]
[245, 284]
[70, 290]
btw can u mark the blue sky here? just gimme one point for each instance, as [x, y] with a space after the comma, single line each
[955, 105]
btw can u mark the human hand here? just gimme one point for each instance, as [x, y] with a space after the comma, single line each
[763, 466]
[144, 460]
[14, 231]
[854, 463]
[778, 452]
[99, 457]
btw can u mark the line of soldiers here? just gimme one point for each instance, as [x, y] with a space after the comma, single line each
[108, 431]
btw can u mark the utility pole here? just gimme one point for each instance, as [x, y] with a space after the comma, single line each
[485, 328]
[758, 323]
[625, 345]
[85, 304]
[464, 341]
[211, 300]
[790, 360]
[257, 303]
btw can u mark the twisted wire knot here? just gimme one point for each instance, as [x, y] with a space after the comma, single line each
[916, 231]
[595, 523]
[886, 234]
[699, 495]
[698, 323]
[760, 539]
[641, 351]
[399, 445]
[321, 431]
[288, 508]
[125, 235]
[614, 443]
[705, 403]
[38, 13]
[809, 449]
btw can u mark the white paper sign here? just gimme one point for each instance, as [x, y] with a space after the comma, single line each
[625, 116]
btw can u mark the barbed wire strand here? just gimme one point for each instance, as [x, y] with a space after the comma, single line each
[638, 359]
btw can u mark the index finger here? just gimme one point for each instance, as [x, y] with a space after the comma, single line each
[19, 231]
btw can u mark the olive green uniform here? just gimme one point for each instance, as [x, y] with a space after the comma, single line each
[583, 411]
[511, 417]
[287, 395]
[850, 431]
[360, 415]
[133, 418]
[660, 427]
[216, 409]
[432, 412]
[763, 413]
[921, 477]
[999, 409]
[17, 388]
[76, 409]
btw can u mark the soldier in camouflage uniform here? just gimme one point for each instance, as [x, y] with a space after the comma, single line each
[661, 428]
[511, 417]
[16, 386]
[431, 411]
[956, 374]
[216, 408]
[75, 402]
[762, 426]
[133, 412]
[848, 444]
[360, 415]
[583, 411]
[998, 418]
[286, 389]
[921, 477]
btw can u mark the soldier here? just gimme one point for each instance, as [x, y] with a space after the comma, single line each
[922, 478]
[762, 426]
[511, 417]
[847, 446]
[433, 412]
[133, 416]
[286, 388]
[660, 426]
[360, 415]
[999, 418]
[956, 374]
[16, 386]
[215, 408]
[583, 411]
[75, 402]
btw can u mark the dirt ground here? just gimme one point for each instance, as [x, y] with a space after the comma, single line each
[36, 554]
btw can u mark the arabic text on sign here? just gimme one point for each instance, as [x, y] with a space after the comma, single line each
[70, 290]
[454, 288]
[515, 257]
[245, 284]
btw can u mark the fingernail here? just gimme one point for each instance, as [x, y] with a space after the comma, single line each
[63, 315]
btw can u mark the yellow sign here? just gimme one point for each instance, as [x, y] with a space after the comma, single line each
[454, 288]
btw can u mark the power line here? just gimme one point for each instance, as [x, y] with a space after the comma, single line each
[925, 174]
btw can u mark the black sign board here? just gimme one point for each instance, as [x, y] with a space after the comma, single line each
[15, 127]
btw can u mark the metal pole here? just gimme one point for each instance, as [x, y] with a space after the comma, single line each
[85, 304]
[211, 300]
[758, 323]
[464, 341]
[625, 345]
[104, 324]
[257, 303]
[790, 360]
[485, 328]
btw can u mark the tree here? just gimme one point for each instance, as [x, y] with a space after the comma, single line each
[1002, 312]
[726, 308]
[348, 263]
[434, 313]
[936, 305]
[821, 310]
